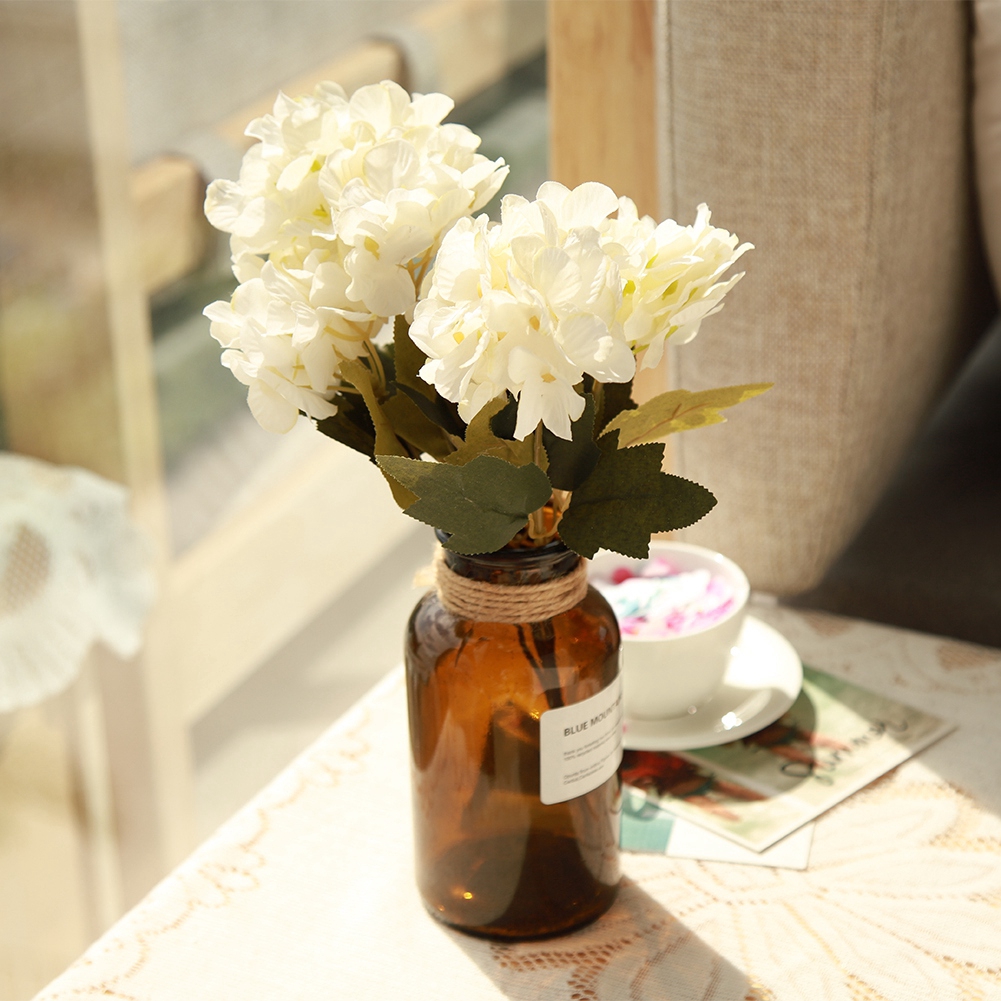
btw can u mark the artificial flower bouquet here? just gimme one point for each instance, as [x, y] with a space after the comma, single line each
[485, 366]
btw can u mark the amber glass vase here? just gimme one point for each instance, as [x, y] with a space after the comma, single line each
[492, 858]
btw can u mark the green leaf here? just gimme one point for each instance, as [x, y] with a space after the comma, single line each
[351, 426]
[436, 409]
[483, 504]
[571, 462]
[627, 498]
[615, 397]
[408, 359]
[679, 410]
[506, 420]
[412, 426]
[481, 440]
[387, 355]
[386, 442]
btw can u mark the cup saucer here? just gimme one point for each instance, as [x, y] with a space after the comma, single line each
[762, 680]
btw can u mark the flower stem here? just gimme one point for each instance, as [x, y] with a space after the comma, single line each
[598, 392]
[378, 370]
[537, 519]
[418, 272]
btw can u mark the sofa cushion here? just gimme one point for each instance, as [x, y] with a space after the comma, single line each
[987, 125]
[835, 138]
[929, 556]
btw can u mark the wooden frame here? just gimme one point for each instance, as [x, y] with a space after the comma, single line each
[470, 43]
[74, 333]
[77, 384]
[602, 96]
[605, 101]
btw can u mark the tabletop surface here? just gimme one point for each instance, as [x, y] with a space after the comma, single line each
[308, 892]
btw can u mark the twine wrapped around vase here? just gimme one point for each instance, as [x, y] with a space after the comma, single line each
[481, 601]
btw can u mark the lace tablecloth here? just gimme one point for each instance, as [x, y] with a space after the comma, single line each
[308, 892]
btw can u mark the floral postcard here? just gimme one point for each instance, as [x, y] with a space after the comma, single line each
[648, 828]
[835, 739]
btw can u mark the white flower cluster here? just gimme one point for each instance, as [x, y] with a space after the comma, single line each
[335, 219]
[557, 289]
[672, 274]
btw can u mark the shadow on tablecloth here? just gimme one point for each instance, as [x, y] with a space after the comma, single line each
[637, 951]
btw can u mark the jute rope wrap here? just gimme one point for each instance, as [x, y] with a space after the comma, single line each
[483, 602]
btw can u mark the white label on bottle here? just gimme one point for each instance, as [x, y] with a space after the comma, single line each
[580, 746]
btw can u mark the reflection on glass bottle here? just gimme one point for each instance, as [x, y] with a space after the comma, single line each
[491, 857]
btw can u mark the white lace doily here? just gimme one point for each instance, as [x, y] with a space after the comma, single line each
[73, 569]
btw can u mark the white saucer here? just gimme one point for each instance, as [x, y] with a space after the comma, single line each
[761, 682]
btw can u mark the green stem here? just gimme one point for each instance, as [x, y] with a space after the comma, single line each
[537, 519]
[598, 392]
[378, 370]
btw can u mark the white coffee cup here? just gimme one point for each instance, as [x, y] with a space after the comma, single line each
[664, 677]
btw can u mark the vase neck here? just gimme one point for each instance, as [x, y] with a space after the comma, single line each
[514, 567]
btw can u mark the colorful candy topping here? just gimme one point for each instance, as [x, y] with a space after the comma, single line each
[661, 601]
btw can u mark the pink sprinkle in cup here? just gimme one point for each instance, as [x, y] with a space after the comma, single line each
[666, 676]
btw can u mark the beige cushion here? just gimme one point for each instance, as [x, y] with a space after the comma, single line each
[987, 125]
[833, 136]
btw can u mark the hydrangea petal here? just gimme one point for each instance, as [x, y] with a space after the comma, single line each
[430, 109]
[589, 204]
[271, 410]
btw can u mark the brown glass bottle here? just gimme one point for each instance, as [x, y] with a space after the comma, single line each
[492, 859]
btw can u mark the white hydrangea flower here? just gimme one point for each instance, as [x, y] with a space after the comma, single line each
[558, 289]
[334, 221]
[526, 305]
[673, 275]
[377, 171]
[286, 333]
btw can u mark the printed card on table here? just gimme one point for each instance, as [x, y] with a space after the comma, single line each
[648, 828]
[835, 739]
